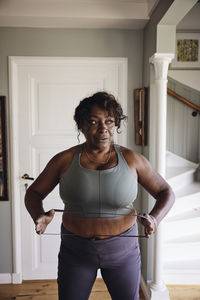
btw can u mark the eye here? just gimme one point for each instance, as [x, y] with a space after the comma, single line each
[109, 121]
[93, 122]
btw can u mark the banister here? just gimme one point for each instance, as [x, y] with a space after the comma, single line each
[182, 99]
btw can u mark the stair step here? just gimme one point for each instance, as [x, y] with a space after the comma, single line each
[184, 239]
[177, 252]
[190, 189]
[181, 228]
[179, 171]
[184, 213]
[172, 172]
[183, 276]
[175, 161]
[192, 264]
[181, 241]
[187, 199]
[184, 178]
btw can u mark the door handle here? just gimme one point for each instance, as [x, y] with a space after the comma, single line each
[27, 177]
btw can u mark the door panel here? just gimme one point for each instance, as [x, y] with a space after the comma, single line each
[48, 90]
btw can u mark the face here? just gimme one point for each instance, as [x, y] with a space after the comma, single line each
[99, 129]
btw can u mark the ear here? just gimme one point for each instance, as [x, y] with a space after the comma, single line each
[83, 127]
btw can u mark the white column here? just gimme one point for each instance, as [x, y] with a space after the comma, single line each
[161, 63]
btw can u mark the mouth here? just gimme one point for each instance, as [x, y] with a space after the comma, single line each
[102, 139]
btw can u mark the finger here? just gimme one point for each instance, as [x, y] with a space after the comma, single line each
[145, 219]
[141, 218]
[148, 232]
[149, 222]
[50, 213]
[38, 230]
[150, 227]
[49, 216]
[40, 219]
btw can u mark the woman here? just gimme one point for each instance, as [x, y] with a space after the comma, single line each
[98, 185]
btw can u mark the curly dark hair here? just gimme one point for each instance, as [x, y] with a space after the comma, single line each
[103, 100]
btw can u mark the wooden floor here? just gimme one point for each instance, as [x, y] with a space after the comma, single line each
[184, 292]
[47, 290]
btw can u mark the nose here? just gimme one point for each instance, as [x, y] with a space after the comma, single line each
[102, 127]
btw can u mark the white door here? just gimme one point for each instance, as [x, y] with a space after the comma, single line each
[45, 92]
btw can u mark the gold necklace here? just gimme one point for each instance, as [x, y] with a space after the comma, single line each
[93, 160]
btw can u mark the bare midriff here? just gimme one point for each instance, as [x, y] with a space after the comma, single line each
[98, 227]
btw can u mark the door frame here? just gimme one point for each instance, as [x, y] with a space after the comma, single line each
[15, 176]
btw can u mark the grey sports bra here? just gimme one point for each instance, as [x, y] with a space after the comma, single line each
[98, 193]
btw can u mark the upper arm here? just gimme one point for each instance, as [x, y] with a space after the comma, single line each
[148, 177]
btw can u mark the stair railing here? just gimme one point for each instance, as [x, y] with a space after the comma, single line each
[182, 99]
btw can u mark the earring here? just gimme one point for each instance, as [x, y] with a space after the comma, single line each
[79, 133]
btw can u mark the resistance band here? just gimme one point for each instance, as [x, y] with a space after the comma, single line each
[120, 235]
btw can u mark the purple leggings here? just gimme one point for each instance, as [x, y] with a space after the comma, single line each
[117, 257]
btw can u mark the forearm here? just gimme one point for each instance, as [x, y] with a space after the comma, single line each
[164, 202]
[34, 204]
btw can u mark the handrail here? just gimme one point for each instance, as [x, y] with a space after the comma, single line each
[182, 99]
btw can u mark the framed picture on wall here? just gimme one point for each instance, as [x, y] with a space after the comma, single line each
[3, 151]
[187, 54]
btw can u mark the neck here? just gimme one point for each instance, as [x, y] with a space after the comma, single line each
[97, 150]
[97, 155]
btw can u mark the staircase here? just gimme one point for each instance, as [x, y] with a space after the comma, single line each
[181, 251]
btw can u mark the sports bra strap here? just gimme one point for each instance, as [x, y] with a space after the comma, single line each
[79, 149]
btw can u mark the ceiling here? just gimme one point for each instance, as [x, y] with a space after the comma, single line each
[191, 20]
[119, 14]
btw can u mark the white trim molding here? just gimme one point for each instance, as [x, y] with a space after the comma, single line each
[16, 278]
[15, 191]
[5, 278]
[161, 63]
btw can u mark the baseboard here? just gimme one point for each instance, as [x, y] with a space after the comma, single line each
[99, 274]
[16, 278]
[5, 278]
[145, 288]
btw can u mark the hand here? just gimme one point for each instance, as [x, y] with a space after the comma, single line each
[43, 220]
[148, 223]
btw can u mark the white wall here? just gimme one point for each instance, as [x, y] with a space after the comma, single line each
[190, 78]
[182, 126]
[191, 20]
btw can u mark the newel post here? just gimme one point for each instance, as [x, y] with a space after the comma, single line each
[161, 63]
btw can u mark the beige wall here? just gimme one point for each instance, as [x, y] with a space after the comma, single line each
[63, 42]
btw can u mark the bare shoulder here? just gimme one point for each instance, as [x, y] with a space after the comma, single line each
[134, 159]
[64, 155]
[63, 159]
